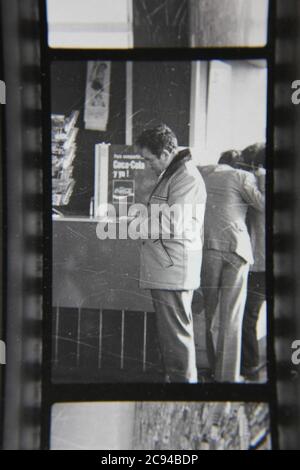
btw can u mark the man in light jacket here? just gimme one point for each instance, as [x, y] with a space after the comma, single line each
[227, 256]
[171, 254]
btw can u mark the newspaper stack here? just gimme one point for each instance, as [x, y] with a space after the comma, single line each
[63, 143]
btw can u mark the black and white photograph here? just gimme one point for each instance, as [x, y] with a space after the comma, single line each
[126, 24]
[149, 250]
[159, 222]
[160, 426]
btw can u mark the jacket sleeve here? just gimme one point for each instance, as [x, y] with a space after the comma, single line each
[253, 190]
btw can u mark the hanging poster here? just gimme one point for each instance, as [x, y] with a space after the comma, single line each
[97, 95]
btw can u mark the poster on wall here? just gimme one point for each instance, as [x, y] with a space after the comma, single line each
[96, 109]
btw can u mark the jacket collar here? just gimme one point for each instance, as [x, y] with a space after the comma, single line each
[179, 160]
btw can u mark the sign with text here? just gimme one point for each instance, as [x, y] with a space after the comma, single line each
[122, 177]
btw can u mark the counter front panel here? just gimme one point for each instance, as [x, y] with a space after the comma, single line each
[93, 273]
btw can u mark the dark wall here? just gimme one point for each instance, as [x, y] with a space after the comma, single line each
[68, 81]
[160, 23]
[162, 94]
[68, 93]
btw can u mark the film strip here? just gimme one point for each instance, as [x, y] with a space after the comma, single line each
[23, 230]
[286, 230]
[26, 234]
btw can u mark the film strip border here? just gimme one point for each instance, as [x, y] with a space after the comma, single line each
[286, 223]
[30, 408]
[2, 191]
[23, 234]
[211, 392]
[24, 217]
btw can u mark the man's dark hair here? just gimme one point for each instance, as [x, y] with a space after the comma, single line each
[157, 140]
[255, 155]
[230, 157]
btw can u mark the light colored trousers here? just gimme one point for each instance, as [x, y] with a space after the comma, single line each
[174, 321]
[224, 283]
